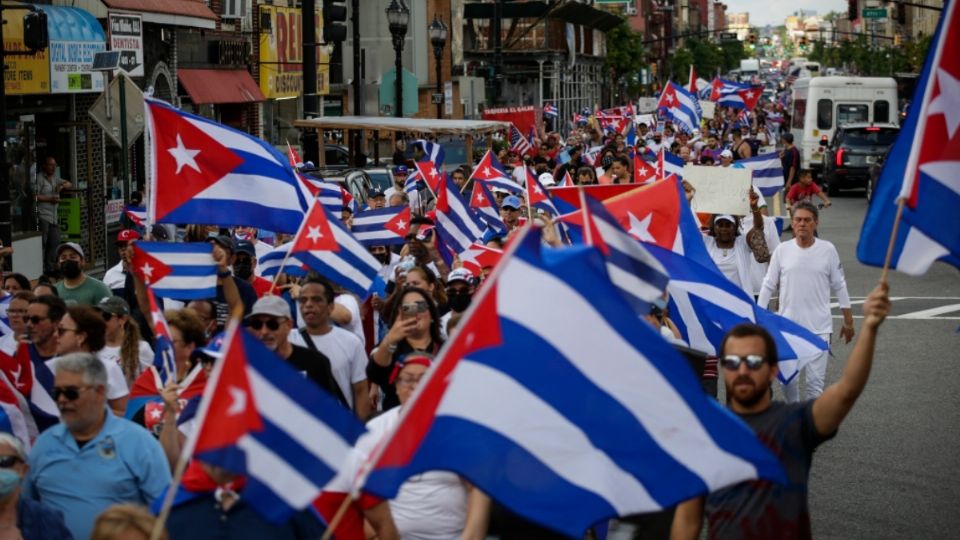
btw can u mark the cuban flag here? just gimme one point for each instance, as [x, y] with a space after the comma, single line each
[643, 171]
[640, 278]
[324, 245]
[136, 214]
[205, 172]
[146, 393]
[550, 110]
[268, 422]
[519, 143]
[432, 152]
[566, 181]
[720, 87]
[591, 156]
[745, 99]
[767, 172]
[922, 171]
[329, 193]
[566, 400]
[669, 163]
[457, 224]
[176, 270]
[413, 182]
[431, 175]
[538, 196]
[278, 261]
[485, 205]
[680, 106]
[480, 257]
[164, 361]
[15, 417]
[383, 226]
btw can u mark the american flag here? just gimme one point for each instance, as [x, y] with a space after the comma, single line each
[518, 142]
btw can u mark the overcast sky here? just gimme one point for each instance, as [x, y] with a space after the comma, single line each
[773, 12]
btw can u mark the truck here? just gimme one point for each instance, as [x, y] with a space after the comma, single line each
[749, 68]
[822, 104]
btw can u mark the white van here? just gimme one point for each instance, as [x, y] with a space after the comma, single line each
[820, 104]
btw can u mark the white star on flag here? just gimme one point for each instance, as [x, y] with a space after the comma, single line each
[486, 171]
[155, 414]
[669, 98]
[947, 102]
[314, 234]
[401, 224]
[749, 94]
[147, 270]
[479, 199]
[640, 229]
[184, 155]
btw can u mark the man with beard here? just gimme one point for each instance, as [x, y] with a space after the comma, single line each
[270, 322]
[792, 431]
[461, 285]
[76, 284]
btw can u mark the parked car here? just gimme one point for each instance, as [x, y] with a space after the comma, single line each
[854, 148]
[381, 177]
[875, 169]
[356, 181]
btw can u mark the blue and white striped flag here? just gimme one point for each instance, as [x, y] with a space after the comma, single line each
[432, 151]
[383, 226]
[679, 105]
[669, 163]
[269, 264]
[176, 270]
[598, 413]
[767, 172]
[457, 224]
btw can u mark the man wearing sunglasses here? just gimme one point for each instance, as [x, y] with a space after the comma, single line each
[792, 431]
[92, 459]
[43, 316]
[270, 322]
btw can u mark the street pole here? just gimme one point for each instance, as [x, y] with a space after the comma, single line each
[398, 80]
[6, 231]
[497, 49]
[125, 165]
[308, 13]
[398, 17]
[357, 82]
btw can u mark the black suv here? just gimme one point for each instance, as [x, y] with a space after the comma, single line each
[854, 148]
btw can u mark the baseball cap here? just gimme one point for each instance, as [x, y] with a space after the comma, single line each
[374, 193]
[214, 347]
[547, 179]
[511, 202]
[727, 217]
[114, 305]
[274, 306]
[127, 235]
[70, 245]
[460, 274]
[726, 154]
[223, 241]
[245, 246]
[400, 169]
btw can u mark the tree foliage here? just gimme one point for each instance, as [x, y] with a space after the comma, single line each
[860, 58]
[626, 55]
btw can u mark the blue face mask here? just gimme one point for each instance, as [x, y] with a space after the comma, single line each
[9, 481]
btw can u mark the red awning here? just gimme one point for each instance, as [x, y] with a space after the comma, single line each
[216, 86]
[187, 8]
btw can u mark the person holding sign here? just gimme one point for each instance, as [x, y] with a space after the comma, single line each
[731, 251]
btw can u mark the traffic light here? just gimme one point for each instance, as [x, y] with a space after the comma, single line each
[334, 17]
[852, 12]
[35, 35]
[901, 15]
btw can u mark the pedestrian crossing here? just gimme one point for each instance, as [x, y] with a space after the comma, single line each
[916, 308]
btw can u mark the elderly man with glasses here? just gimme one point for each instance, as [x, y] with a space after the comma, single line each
[92, 459]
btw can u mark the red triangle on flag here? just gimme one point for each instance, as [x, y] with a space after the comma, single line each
[188, 160]
[148, 268]
[232, 410]
[650, 213]
[315, 233]
[642, 170]
[400, 223]
[17, 368]
[430, 174]
[750, 97]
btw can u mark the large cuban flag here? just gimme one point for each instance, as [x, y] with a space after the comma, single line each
[565, 420]
[205, 172]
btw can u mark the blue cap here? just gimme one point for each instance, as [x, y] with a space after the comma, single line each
[374, 193]
[511, 201]
[214, 348]
[400, 169]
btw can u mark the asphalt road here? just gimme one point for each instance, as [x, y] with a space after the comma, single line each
[892, 470]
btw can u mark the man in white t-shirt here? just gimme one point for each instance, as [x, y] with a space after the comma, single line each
[805, 270]
[348, 360]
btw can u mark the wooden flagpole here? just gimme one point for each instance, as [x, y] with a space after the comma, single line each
[893, 240]
[338, 517]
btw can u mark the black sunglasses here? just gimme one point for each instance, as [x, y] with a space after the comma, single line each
[733, 361]
[8, 461]
[257, 324]
[35, 319]
[71, 393]
[106, 316]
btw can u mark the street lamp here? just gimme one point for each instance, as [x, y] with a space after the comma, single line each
[438, 37]
[398, 16]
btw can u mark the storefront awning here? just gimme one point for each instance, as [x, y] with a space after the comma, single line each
[220, 86]
[75, 37]
[192, 13]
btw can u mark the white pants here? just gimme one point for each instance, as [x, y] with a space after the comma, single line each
[816, 371]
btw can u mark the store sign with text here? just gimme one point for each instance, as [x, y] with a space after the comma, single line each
[281, 52]
[26, 73]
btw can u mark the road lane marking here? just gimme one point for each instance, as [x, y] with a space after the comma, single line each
[931, 313]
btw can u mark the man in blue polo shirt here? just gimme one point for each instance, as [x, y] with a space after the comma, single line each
[93, 459]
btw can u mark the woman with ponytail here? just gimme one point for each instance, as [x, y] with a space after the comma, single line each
[123, 343]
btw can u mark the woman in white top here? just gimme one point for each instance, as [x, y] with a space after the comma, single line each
[434, 505]
[123, 344]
